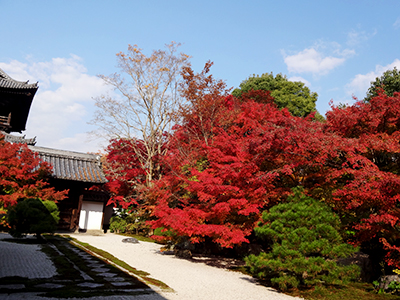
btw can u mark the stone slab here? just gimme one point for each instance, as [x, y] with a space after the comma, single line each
[12, 286]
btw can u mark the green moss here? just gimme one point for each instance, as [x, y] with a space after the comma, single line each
[110, 258]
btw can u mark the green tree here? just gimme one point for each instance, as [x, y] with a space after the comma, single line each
[389, 82]
[295, 96]
[305, 244]
[33, 216]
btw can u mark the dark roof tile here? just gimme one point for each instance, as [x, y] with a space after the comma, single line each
[7, 82]
[18, 139]
[71, 165]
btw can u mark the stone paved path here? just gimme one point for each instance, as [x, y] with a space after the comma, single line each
[37, 274]
[20, 263]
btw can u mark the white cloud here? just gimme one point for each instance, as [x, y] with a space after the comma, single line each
[397, 23]
[361, 82]
[63, 104]
[301, 79]
[312, 61]
[357, 37]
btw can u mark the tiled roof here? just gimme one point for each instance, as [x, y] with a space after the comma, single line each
[70, 165]
[18, 139]
[15, 102]
[7, 82]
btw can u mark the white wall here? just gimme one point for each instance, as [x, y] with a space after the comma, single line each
[91, 215]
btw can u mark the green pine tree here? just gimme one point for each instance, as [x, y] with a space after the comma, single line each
[305, 239]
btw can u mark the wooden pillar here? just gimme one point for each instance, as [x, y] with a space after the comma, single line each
[75, 222]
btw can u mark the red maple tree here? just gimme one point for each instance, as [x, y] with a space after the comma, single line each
[125, 173]
[23, 175]
[216, 184]
[371, 194]
[229, 159]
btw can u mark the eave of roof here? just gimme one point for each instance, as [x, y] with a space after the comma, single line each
[9, 83]
[18, 139]
[15, 101]
[69, 165]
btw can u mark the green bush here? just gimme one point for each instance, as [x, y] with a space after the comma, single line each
[131, 223]
[33, 216]
[118, 224]
[305, 242]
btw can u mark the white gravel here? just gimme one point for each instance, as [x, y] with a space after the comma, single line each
[189, 280]
[25, 260]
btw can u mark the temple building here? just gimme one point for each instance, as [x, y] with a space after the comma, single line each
[15, 102]
[84, 209]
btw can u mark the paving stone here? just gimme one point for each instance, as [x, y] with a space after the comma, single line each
[114, 279]
[49, 285]
[62, 280]
[95, 265]
[107, 274]
[101, 270]
[20, 263]
[90, 284]
[121, 283]
[86, 276]
[12, 286]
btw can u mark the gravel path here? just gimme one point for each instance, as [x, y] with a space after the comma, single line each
[189, 280]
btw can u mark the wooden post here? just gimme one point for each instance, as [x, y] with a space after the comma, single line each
[78, 214]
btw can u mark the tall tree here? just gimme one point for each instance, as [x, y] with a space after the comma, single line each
[217, 181]
[389, 82]
[371, 195]
[146, 93]
[204, 103]
[295, 96]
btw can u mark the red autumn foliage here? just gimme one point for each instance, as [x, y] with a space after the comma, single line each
[23, 175]
[372, 193]
[124, 172]
[229, 159]
[218, 188]
[224, 161]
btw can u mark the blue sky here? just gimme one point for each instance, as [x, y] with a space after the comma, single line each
[336, 47]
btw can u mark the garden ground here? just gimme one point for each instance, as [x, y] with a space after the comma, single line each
[75, 273]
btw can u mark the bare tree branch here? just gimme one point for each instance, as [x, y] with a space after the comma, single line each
[146, 95]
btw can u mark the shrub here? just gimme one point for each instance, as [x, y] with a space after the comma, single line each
[33, 216]
[117, 224]
[305, 244]
[131, 223]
